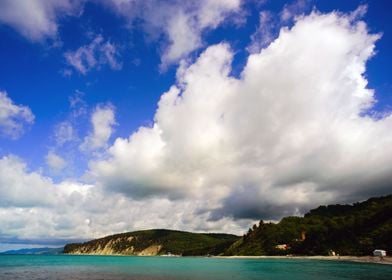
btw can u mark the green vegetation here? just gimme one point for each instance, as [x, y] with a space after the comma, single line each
[355, 229]
[170, 241]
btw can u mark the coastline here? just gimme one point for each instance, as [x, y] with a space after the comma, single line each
[363, 259]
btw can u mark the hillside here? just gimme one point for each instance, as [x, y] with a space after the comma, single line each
[355, 229]
[34, 251]
[155, 242]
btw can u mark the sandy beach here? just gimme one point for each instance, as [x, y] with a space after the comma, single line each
[363, 259]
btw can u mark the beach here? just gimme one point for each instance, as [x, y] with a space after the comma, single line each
[362, 259]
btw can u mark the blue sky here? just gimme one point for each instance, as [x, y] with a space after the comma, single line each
[157, 106]
[32, 71]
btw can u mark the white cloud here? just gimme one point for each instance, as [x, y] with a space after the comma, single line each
[55, 162]
[183, 37]
[13, 118]
[36, 19]
[289, 134]
[20, 188]
[182, 23]
[94, 55]
[77, 105]
[359, 12]
[264, 34]
[33, 207]
[102, 121]
[185, 27]
[296, 8]
[64, 132]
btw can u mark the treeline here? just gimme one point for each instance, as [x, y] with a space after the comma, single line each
[355, 229]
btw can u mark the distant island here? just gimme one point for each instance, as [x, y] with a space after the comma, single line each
[354, 230]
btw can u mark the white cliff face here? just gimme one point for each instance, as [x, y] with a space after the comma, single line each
[116, 246]
[152, 250]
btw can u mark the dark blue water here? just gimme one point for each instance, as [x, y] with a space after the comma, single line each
[145, 268]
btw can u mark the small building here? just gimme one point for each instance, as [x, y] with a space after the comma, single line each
[332, 253]
[282, 247]
[379, 253]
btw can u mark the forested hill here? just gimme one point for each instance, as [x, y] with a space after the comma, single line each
[355, 229]
[155, 242]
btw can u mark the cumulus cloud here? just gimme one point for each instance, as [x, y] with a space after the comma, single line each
[13, 118]
[31, 205]
[20, 188]
[55, 162]
[35, 209]
[291, 133]
[94, 55]
[102, 121]
[181, 23]
[36, 19]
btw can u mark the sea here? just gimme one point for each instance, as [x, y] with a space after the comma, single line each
[161, 268]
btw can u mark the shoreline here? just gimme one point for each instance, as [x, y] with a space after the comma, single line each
[363, 259]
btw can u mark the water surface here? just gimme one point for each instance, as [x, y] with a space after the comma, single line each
[161, 268]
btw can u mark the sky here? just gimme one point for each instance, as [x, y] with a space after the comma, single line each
[204, 115]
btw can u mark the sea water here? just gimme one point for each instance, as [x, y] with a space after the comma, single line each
[146, 268]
